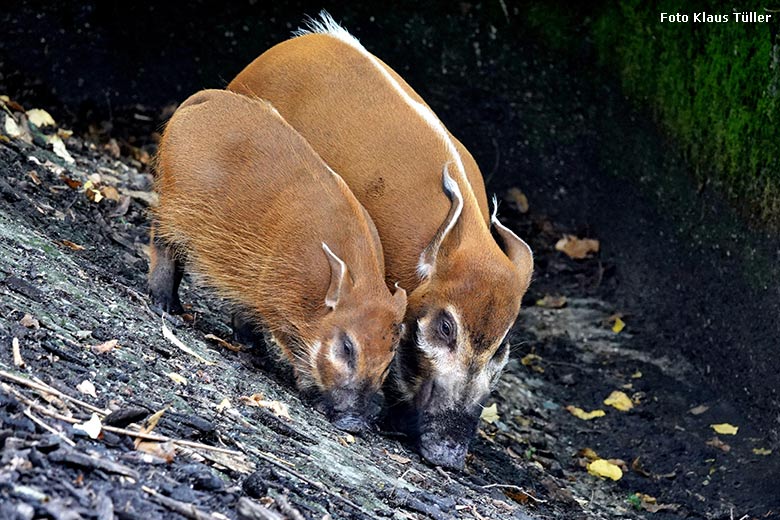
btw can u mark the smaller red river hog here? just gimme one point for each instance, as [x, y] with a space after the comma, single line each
[257, 216]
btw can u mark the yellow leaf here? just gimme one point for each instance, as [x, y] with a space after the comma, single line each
[224, 404]
[177, 378]
[762, 451]
[605, 469]
[636, 375]
[618, 326]
[490, 414]
[40, 117]
[276, 407]
[582, 414]
[725, 428]
[619, 400]
[552, 302]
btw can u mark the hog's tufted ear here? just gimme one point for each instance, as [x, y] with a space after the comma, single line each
[515, 248]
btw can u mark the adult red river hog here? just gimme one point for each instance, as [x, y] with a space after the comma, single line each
[427, 198]
[262, 220]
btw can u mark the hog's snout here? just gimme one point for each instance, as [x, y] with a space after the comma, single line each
[445, 438]
[350, 423]
[447, 453]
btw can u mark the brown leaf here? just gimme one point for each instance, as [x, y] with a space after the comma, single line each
[577, 248]
[112, 147]
[400, 459]
[34, 176]
[163, 450]
[72, 245]
[223, 343]
[151, 424]
[110, 193]
[517, 199]
[278, 408]
[72, 183]
[104, 348]
[717, 443]
[30, 322]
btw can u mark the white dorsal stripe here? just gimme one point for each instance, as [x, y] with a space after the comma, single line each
[325, 24]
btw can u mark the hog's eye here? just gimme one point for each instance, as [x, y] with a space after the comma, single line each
[446, 328]
[347, 350]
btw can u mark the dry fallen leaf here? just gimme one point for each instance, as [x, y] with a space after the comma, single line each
[762, 451]
[104, 348]
[517, 199]
[110, 193]
[58, 147]
[636, 375]
[177, 378]
[577, 248]
[605, 469]
[725, 428]
[277, 407]
[552, 302]
[619, 400]
[698, 410]
[91, 192]
[400, 459]
[167, 334]
[72, 245]
[582, 414]
[30, 322]
[224, 404]
[87, 387]
[151, 424]
[34, 177]
[588, 453]
[223, 343]
[490, 414]
[163, 450]
[534, 362]
[92, 427]
[717, 443]
[618, 326]
[40, 117]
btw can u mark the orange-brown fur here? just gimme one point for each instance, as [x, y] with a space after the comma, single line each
[250, 204]
[392, 160]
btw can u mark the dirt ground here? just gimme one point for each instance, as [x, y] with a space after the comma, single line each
[696, 289]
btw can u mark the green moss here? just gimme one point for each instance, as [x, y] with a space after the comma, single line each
[714, 86]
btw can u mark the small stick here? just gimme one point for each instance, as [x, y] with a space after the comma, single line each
[187, 510]
[43, 387]
[122, 431]
[48, 428]
[18, 361]
[516, 488]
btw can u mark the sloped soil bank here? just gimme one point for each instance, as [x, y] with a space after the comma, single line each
[697, 290]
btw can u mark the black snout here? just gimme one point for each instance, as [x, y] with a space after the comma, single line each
[350, 423]
[447, 453]
[446, 436]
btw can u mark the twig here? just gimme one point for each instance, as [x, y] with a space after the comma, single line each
[177, 342]
[17, 355]
[42, 387]
[444, 474]
[186, 510]
[516, 488]
[123, 431]
[48, 428]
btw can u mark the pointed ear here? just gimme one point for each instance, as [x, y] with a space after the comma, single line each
[428, 257]
[515, 248]
[399, 297]
[338, 278]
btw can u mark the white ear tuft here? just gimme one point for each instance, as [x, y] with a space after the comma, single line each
[338, 275]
